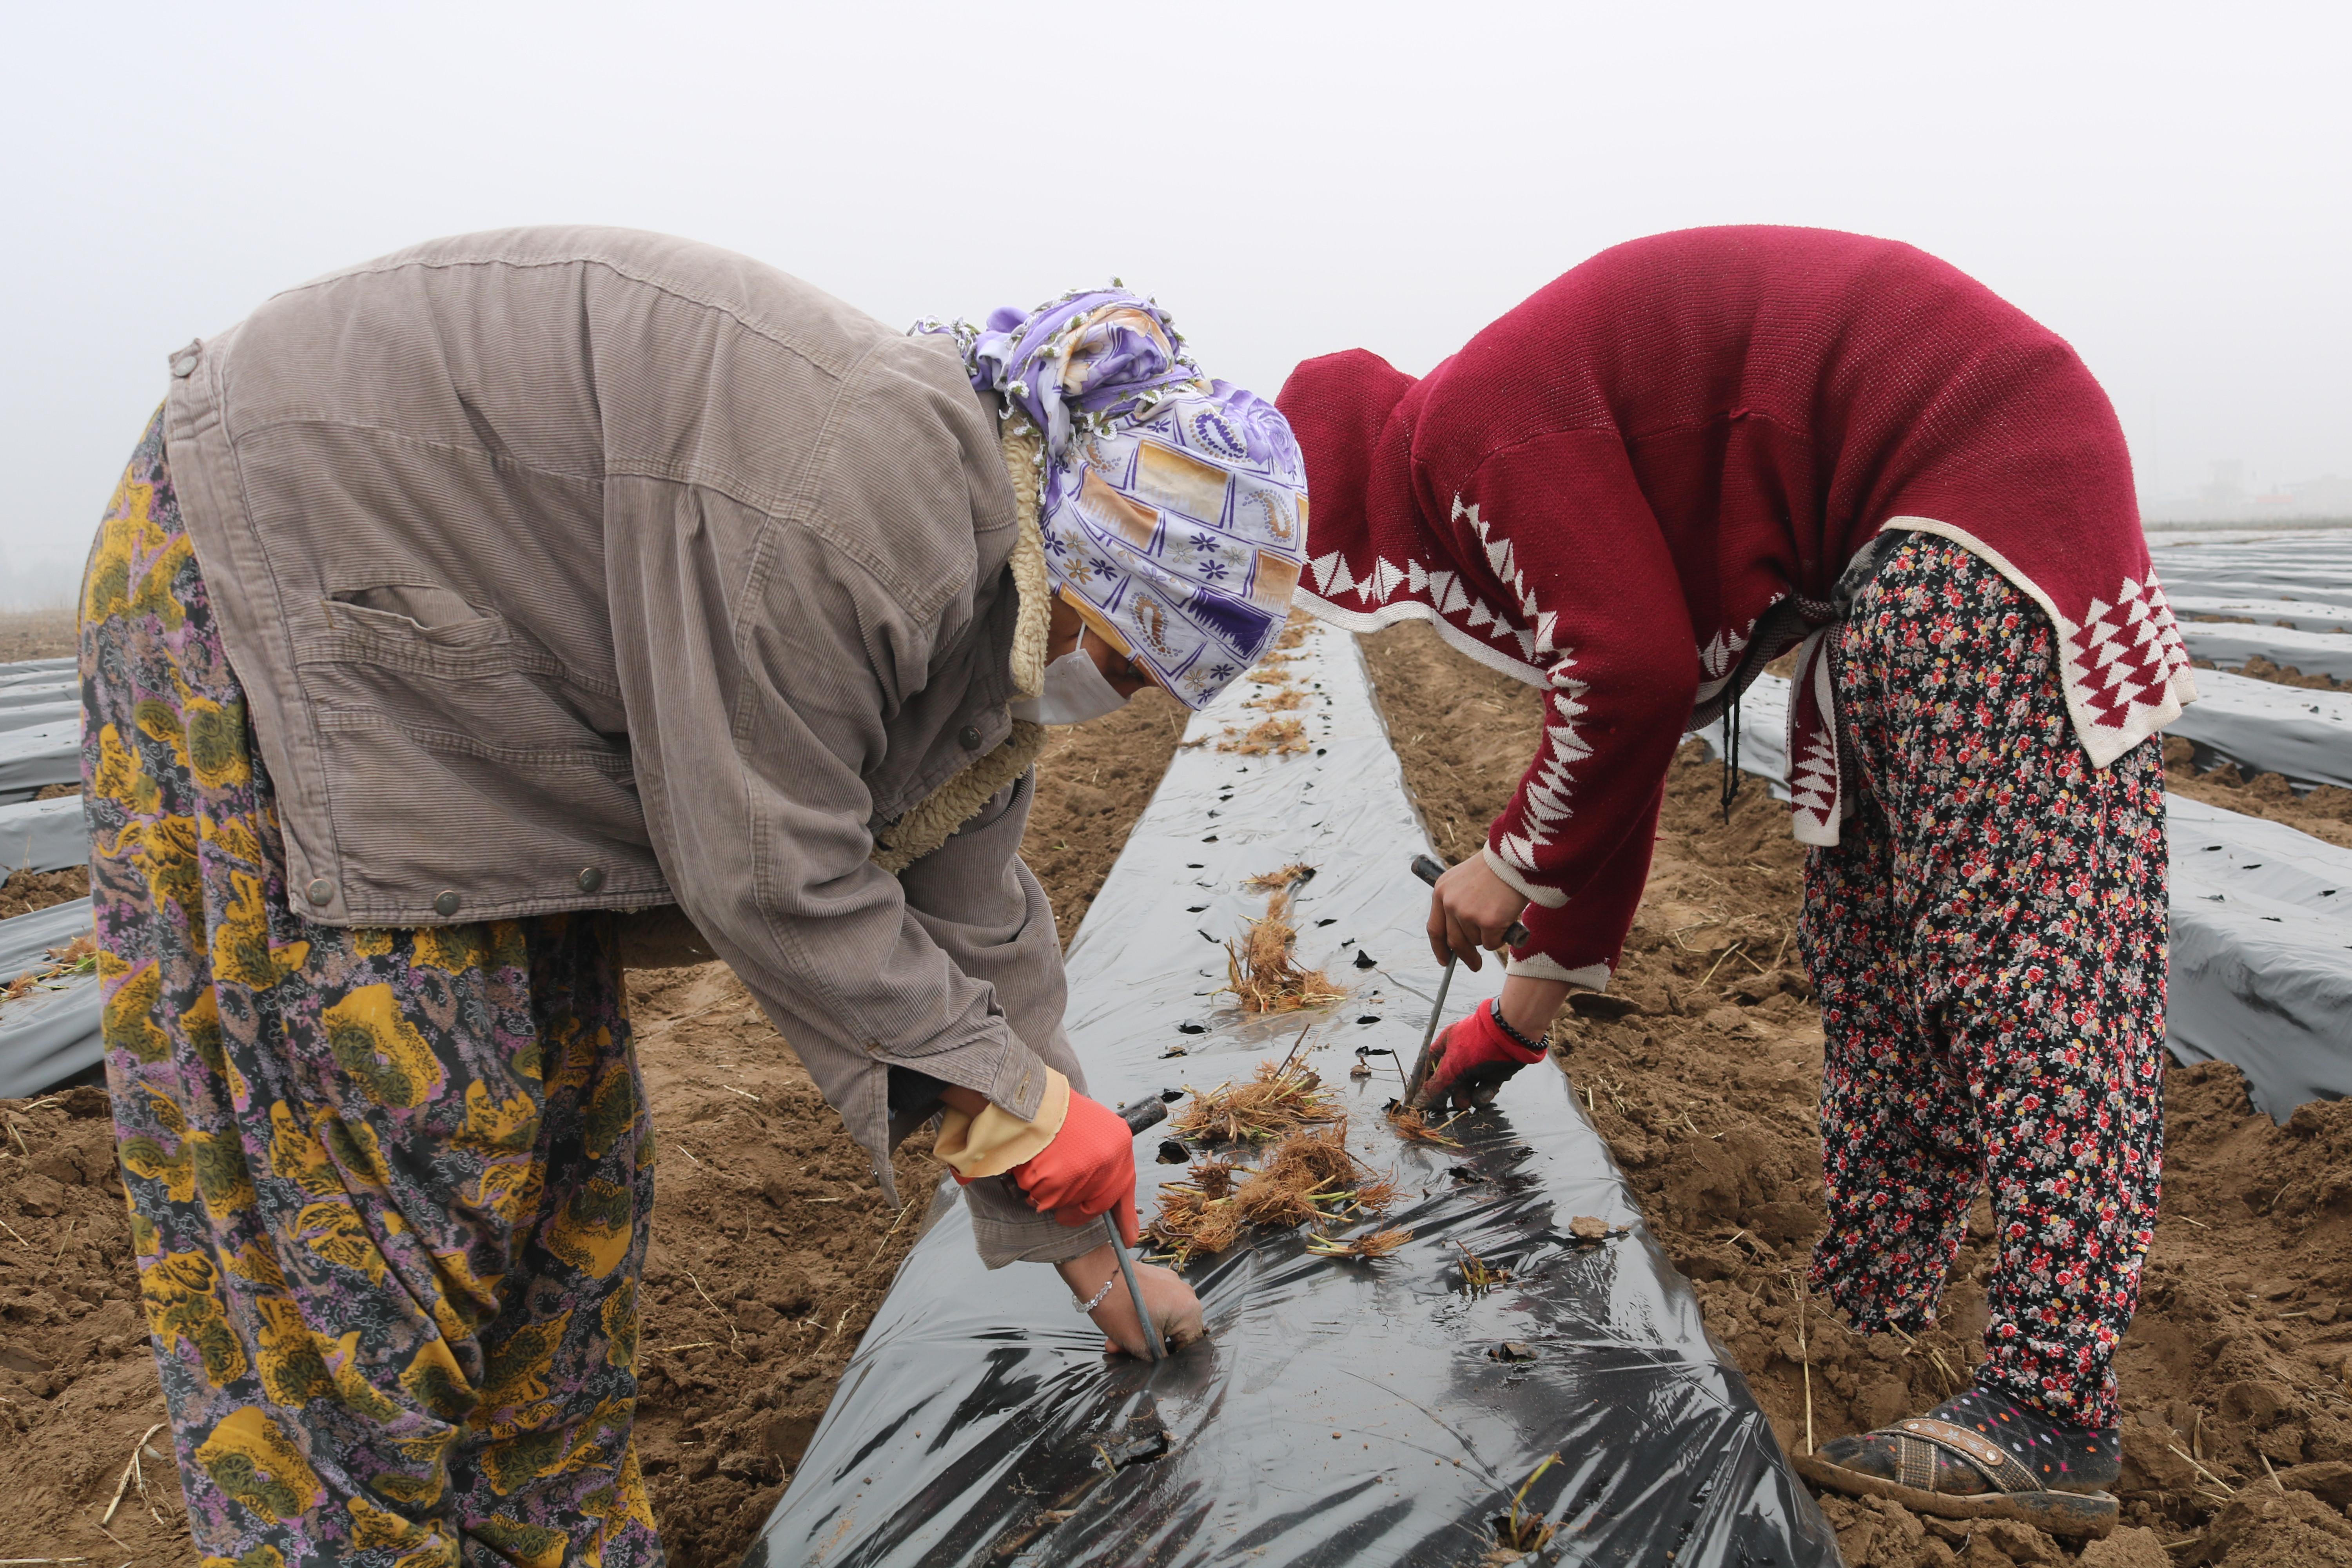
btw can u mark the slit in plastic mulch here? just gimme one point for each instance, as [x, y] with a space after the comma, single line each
[1517, 1533]
[1112, 1459]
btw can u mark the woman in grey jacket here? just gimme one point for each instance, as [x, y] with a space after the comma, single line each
[464, 613]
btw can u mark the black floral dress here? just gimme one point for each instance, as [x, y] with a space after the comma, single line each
[1989, 941]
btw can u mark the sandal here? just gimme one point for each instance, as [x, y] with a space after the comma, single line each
[1936, 1466]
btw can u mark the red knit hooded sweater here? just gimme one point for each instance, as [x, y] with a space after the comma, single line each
[1610, 491]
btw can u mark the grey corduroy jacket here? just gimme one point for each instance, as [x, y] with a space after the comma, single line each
[580, 568]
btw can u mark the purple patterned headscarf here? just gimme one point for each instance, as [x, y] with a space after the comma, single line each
[1173, 507]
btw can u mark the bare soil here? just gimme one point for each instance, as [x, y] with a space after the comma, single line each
[772, 1243]
[37, 634]
[1708, 1098]
[24, 892]
[2261, 668]
[2324, 812]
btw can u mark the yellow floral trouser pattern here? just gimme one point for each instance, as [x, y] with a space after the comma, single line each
[389, 1189]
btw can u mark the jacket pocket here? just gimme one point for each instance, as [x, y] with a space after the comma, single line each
[407, 668]
[423, 628]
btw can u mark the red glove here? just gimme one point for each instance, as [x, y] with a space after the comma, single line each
[1087, 1170]
[1469, 1062]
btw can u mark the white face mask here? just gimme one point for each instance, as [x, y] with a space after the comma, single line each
[1075, 692]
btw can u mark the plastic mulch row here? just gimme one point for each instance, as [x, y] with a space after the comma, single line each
[1340, 1411]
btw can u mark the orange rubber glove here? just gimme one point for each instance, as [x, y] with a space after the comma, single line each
[1087, 1170]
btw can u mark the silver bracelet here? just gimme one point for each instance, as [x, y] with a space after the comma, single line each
[1100, 1296]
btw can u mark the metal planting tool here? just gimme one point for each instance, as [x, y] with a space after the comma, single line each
[1429, 870]
[1142, 1114]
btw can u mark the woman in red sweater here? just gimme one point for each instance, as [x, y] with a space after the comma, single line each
[1671, 465]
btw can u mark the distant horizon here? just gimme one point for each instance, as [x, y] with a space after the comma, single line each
[1288, 179]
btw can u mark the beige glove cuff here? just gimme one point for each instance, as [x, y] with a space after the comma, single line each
[995, 1140]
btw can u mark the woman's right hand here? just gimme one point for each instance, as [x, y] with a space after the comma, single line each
[1469, 910]
[1173, 1306]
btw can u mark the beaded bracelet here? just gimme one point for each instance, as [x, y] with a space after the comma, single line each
[1505, 1023]
[1099, 1296]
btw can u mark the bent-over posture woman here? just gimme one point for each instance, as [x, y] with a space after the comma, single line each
[1678, 461]
[469, 613]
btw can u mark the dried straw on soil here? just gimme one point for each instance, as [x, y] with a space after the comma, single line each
[1413, 1126]
[1259, 970]
[1308, 1178]
[1268, 737]
[1279, 1100]
[1376, 1244]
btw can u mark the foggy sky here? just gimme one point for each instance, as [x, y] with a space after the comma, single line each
[2166, 186]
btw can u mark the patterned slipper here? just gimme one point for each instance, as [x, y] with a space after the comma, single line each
[1936, 1466]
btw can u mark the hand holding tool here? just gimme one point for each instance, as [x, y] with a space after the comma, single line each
[1143, 1114]
[1429, 870]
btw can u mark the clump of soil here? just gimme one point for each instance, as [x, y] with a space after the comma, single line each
[772, 1245]
[25, 891]
[2324, 812]
[1707, 1095]
[2258, 667]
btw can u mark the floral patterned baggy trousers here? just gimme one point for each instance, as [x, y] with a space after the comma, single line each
[1987, 940]
[388, 1189]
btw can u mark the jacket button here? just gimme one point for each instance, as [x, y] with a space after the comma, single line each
[590, 879]
[969, 736]
[184, 363]
[446, 904]
[320, 890]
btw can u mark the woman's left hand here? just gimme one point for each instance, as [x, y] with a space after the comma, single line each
[1174, 1309]
[1470, 909]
